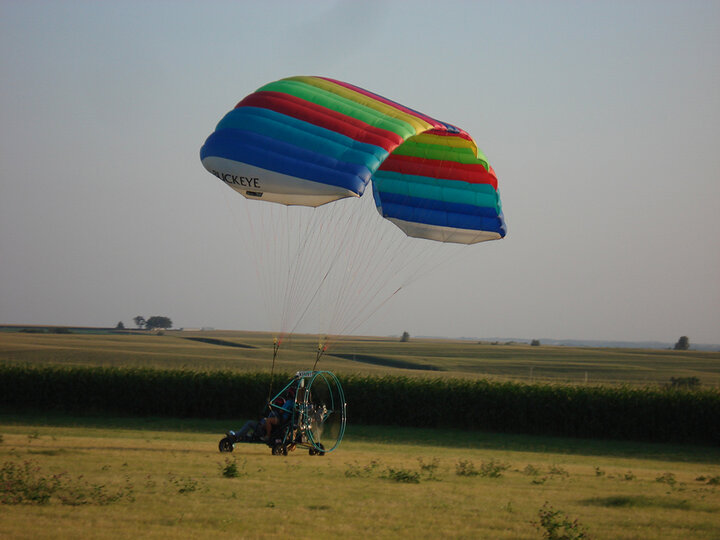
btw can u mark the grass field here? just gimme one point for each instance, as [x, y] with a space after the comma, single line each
[164, 478]
[123, 478]
[429, 358]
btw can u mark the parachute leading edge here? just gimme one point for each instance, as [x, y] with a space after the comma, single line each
[312, 140]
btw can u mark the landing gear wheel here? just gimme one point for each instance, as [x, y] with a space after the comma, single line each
[317, 449]
[279, 450]
[225, 445]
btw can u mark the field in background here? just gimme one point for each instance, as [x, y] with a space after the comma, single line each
[247, 351]
[124, 478]
[159, 478]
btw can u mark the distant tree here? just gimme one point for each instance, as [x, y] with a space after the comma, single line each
[683, 344]
[139, 321]
[535, 343]
[405, 337]
[158, 321]
[120, 326]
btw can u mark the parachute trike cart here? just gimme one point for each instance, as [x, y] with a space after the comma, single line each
[315, 420]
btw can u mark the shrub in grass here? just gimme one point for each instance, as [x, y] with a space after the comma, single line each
[465, 467]
[667, 478]
[23, 483]
[187, 485]
[429, 469]
[26, 484]
[231, 470]
[183, 484]
[355, 470]
[150, 483]
[558, 470]
[492, 468]
[80, 492]
[629, 476]
[404, 476]
[555, 525]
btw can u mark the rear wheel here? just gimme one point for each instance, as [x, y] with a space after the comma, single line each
[317, 449]
[225, 445]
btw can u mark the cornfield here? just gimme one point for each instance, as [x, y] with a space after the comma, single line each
[647, 414]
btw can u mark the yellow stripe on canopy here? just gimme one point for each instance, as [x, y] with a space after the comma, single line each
[445, 140]
[417, 124]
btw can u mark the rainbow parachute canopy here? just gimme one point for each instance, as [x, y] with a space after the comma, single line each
[312, 140]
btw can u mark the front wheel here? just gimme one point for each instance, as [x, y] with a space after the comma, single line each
[225, 445]
[279, 450]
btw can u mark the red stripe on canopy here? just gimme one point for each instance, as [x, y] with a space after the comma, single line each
[323, 117]
[434, 168]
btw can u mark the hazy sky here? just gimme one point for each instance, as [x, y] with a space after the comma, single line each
[601, 119]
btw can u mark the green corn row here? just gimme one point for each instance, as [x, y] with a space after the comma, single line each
[650, 414]
[142, 392]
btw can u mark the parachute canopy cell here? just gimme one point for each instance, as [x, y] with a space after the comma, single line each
[312, 140]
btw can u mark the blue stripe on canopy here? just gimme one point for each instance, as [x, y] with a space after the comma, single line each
[285, 158]
[443, 219]
[436, 205]
[304, 134]
[439, 213]
[425, 187]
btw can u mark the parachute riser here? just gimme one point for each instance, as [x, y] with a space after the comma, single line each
[322, 347]
[276, 349]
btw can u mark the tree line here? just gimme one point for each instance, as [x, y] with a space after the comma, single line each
[151, 323]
